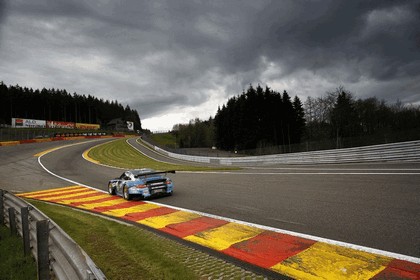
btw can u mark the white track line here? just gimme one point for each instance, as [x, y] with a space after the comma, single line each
[300, 173]
[334, 169]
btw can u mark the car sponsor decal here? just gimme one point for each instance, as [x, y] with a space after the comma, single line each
[283, 253]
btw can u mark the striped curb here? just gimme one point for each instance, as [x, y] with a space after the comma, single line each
[285, 254]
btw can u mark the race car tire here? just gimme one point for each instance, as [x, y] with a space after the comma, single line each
[126, 194]
[111, 189]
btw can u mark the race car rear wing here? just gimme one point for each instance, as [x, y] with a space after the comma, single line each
[155, 172]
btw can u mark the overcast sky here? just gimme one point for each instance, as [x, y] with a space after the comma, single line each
[177, 60]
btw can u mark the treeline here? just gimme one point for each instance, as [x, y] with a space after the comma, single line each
[261, 118]
[338, 115]
[59, 105]
[257, 117]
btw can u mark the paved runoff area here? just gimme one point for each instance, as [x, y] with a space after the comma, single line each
[285, 254]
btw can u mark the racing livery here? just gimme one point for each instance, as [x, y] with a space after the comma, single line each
[143, 183]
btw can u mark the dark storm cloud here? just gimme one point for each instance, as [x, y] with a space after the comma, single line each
[161, 55]
[319, 35]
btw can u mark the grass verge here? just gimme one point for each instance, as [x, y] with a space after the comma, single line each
[118, 153]
[121, 251]
[128, 252]
[13, 264]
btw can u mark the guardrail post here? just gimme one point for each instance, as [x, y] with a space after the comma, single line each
[42, 236]
[25, 230]
[1, 207]
[12, 221]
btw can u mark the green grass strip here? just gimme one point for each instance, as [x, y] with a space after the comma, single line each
[13, 264]
[120, 154]
[121, 251]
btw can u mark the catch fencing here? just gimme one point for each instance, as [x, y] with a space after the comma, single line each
[395, 152]
[56, 254]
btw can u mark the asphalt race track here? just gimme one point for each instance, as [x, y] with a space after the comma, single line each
[372, 205]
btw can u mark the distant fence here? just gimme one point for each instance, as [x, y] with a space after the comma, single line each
[404, 151]
[56, 254]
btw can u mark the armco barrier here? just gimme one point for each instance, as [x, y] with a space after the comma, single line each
[395, 152]
[64, 258]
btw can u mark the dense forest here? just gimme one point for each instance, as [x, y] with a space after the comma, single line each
[260, 118]
[59, 105]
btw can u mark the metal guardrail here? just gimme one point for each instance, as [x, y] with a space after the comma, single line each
[57, 255]
[395, 152]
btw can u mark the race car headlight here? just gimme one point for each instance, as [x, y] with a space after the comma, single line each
[141, 186]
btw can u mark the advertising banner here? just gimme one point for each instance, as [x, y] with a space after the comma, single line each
[87, 126]
[130, 125]
[18, 122]
[55, 124]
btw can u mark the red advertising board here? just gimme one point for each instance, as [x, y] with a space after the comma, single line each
[55, 124]
[18, 122]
